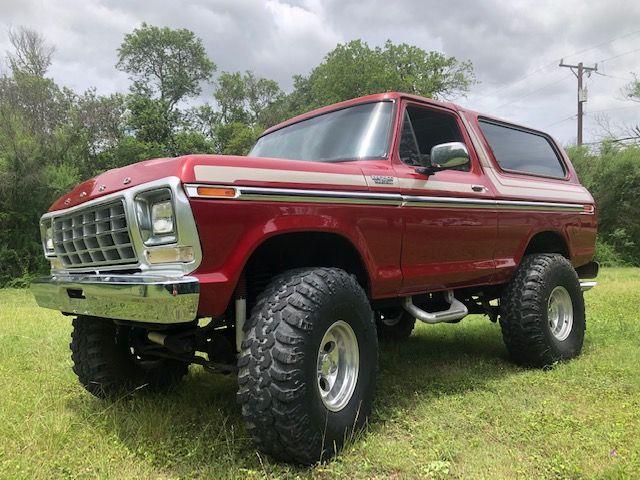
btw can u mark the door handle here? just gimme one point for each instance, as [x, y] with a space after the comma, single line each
[479, 188]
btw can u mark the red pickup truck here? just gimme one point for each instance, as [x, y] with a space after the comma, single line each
[342, 226]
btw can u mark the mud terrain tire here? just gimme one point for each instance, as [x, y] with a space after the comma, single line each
[529, 308]
[279, 379]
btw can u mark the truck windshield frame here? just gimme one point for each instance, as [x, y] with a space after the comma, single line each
[357, 132]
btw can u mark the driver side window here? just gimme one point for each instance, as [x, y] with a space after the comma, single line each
[422, 129]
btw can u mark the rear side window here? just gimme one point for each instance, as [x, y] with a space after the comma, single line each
[521, 151]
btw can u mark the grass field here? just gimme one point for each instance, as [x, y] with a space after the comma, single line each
[449, 405]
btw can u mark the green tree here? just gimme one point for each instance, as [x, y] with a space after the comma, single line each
[613, 178]
[355, 69]
[246, 105]
[245, 98]
[150, 119]
[35, 163]
[50, 140]
[235, 138]
[167, 63]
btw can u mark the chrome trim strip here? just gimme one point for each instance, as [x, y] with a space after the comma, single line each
[138, 298]
[319, 196]
[300, 195]
[372, 198]
[456, 202]
[447, 202]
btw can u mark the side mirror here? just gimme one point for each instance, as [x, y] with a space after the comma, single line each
[446, 156]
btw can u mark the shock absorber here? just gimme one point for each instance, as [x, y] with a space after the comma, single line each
[241, 310]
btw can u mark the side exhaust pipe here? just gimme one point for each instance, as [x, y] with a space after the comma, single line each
[456, 310]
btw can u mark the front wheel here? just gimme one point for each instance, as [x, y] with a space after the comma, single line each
[308, 364]
[542, 312]
[107, 363]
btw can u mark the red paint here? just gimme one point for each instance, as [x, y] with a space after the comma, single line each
[405, 250]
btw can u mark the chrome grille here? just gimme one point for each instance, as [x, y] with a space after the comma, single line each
[94, 236]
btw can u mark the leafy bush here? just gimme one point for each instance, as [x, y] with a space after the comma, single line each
[607, 255]
[613, 177]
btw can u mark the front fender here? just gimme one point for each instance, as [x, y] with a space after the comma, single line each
[230, 231]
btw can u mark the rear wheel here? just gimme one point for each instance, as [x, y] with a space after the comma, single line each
[107, 362]
[308, 365]
[542, 312]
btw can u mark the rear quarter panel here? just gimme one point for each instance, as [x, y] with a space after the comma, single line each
[516, 228]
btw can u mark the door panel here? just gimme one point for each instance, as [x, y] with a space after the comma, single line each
[449, 233]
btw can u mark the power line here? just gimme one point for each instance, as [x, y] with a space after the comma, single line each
[554, 62]
[635, 32]
[619, 55]
[570, 117]
[614, 108]
[534, 91]
[626, 79]
[613, 140]
[510, 84]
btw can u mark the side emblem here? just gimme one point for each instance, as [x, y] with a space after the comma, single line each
[127, 180]
[382, 180]
[101, 188]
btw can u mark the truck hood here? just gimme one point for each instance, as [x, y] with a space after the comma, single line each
[222, 170]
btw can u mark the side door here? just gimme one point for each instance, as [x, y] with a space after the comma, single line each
[449, 218]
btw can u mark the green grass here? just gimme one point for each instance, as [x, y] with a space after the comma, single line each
[449, 405]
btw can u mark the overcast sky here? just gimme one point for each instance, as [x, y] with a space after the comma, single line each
[515, 46]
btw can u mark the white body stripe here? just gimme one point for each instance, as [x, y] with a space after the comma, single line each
[228, 174]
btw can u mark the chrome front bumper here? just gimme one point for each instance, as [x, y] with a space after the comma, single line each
[138, 298]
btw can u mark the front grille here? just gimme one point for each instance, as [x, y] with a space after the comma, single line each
[94, 236]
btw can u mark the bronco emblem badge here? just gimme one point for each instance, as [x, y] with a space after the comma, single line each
[382, 180]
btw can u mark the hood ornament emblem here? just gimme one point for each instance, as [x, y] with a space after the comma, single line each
[67, 201]
[101, 188]
[127, 180]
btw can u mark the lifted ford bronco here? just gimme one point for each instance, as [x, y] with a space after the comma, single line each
[342, 226]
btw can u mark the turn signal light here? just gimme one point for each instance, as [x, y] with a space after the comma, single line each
[217, 192]
[170, 255]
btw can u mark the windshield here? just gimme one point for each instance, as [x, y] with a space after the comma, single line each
[353, 133]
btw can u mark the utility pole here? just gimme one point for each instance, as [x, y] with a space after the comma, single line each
[578, 70]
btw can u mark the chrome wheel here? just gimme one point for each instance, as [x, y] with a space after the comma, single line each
[560, 313]
[338, 365]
